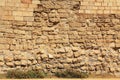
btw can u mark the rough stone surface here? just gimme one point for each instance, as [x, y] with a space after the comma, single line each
[58, 34]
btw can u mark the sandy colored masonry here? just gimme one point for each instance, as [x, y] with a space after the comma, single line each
[53, 35]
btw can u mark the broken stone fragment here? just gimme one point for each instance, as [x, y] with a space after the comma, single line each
[50, 56]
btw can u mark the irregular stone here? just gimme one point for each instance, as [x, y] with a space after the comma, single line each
[44, 56]
[9, 57]
[112, 69]
[24, 62]
[10, 64]
[50, 56]
[100, 58]
[17, 63]
[76, 54]
[2, 63]
[38, 67]
[1, 58]
[75, 48]
[34, 62]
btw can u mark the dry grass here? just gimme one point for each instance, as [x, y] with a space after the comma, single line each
[2, 76]
[91, 77]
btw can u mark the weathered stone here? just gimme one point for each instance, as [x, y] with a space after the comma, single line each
[10, 64]
[100, 58]
[24, 62]
[75, 48]
[1, 58]
[69, 60]
[53, 35]
[17, 63]
[76, 54]
[50, 56]
[9, 57]
[43, 56]
[2, 63]
[112, 69]
[38, 67]
[34, 62]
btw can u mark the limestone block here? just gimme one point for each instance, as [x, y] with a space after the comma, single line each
[26, 56]
[48, 66]
[29, 62]
[69, 60]
[16, 31]
[17, 13]
[10, 64]
[84, 68]
[17, 63]
[54, 16]
[75, 48]
[50, 56]
[28, 19]
[35, 2]
[60, 50]
[60, 66]
[115, 21]
[117, 44]
[1, 58]
[9, 57]
[34, 62]
[19, 23]
[18, 18]
[66, 66]
[27, 13]
[2, 63]
[112, 69]
[76, 54]
[44, 56]
[17, 57]
[24, 62]
[38, 67]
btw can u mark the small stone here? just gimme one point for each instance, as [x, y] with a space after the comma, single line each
[34, 62]
[43, 56]
[38, 67]
[17, 63]
[112, 69]
[29, 62]
[50, 56]
[84, 68]
[76, 54]
[100, 58]
[10, 64]
[2, 63]
[75, 48]
[24, 62]
[1, 58]
[69, 60]
[9, 57]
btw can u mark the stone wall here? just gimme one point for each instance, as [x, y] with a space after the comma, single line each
[53, 35]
